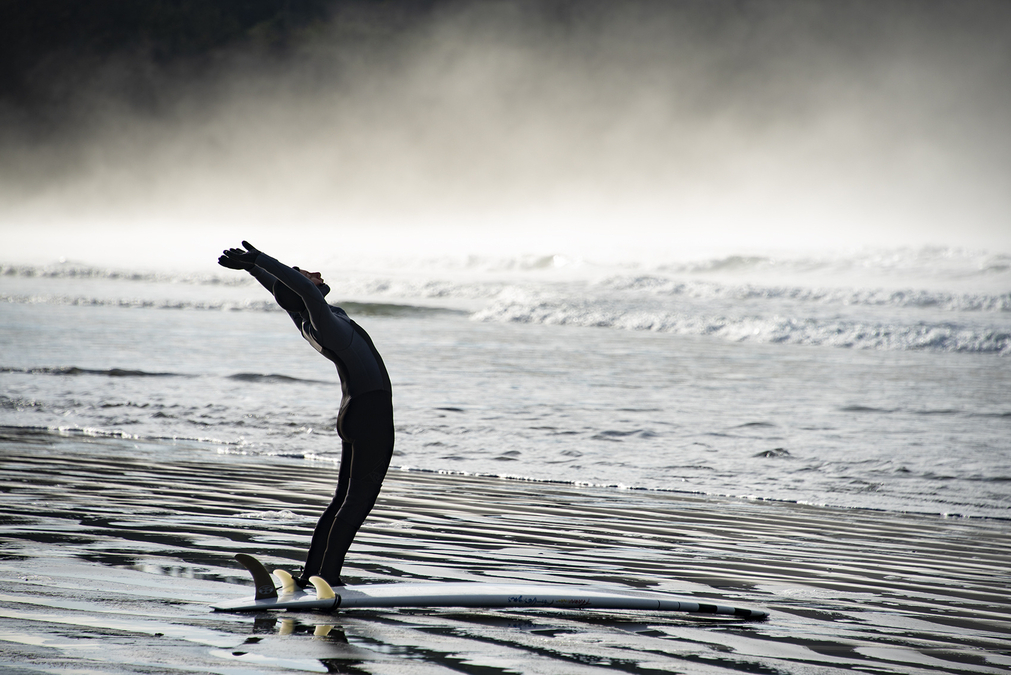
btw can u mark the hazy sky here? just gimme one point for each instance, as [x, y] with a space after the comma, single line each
[503, 127]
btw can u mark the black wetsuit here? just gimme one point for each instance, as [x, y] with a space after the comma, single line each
[365, 421]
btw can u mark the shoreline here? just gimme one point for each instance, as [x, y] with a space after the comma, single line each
[687, 493]
[199, 448]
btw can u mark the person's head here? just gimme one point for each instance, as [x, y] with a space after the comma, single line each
[314, 277]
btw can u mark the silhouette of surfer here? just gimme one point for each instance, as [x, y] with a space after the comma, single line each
[365, 420]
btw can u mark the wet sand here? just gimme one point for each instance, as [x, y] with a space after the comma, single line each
[111, 550]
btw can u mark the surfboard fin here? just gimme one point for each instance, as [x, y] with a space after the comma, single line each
[261, 577]
[288, 585]
[323, 589]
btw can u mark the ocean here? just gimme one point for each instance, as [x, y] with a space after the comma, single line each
[877, 379]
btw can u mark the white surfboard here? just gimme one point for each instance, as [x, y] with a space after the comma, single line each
[457, 594]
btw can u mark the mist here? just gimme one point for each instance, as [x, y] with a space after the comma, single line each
[621, 130]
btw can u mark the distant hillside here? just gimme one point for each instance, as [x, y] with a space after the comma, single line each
[44, 41]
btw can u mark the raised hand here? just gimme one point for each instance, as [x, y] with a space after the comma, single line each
[239, 259]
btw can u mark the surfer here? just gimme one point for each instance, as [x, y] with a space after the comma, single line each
[365, 420]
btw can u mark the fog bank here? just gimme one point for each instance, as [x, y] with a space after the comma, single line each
[537, 128]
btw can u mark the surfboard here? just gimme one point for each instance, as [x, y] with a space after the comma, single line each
[456, 594]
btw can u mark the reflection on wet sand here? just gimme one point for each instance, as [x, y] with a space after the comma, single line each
[110, 555]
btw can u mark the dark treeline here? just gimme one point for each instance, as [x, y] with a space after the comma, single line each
[51, 48]
[63, 63]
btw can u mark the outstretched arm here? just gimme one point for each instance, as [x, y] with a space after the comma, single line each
[265, 278]
[337, 334]
[239, 259]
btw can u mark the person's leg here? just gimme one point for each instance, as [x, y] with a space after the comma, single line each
[317, 548]
[370, 460]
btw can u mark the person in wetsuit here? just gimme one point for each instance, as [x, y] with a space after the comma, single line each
[365, 420]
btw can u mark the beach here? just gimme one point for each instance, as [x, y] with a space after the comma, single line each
[710, 299]
[114, 549]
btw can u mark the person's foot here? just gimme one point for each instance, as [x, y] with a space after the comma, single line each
[302, 582]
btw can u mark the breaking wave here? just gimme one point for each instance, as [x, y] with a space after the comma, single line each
[932, 299]
[836, 332]
[354, 308]
[74, 370]
[873, 297]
